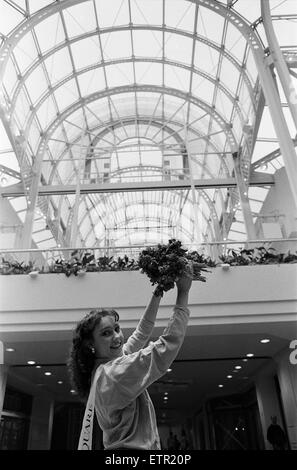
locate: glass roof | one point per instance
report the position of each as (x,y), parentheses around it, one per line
(131,111)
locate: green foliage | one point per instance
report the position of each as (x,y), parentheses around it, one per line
(162,264)
(165,264)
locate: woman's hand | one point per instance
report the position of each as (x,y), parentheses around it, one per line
(184,283)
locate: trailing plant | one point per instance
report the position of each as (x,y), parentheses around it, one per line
(162,263)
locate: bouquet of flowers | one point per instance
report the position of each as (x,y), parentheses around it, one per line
(165,264)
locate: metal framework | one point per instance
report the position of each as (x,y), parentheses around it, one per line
(156,122)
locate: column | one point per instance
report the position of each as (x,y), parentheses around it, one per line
(3,380)
(40,432)
(287,376)
(279,61)
(267,402)
(244,200)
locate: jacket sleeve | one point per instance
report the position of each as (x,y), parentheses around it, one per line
(139,337)
(127,377)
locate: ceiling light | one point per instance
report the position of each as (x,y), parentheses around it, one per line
(10,350)
(31,363)
(250,355)
(237,367)
(229,376)
(265,340)
(220,386)
(38,367)
(47,373)
(165,393)
(60,382)
(72,391)
(244,360)
(169,370)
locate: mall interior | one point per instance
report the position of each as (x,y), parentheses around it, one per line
(124,125)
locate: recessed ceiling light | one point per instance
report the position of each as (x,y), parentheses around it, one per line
(169,370)
(60,382)
(165,393)
(250,355)
(237,367)
(244,360)
(220,386)
(72,391)
(265,340)
(10,350)
(47,373)
(31,363)
(38,367)
(229,376)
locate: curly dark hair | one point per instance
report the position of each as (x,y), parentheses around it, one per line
(81,359)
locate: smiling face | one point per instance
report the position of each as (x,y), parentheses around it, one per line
(108,338)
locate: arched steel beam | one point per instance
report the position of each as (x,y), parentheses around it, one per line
(62,82)
(135,220)
(132,27)
(148,203)
(225,126)
(209,203)
(146,120)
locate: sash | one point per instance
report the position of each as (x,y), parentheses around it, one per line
(86,434)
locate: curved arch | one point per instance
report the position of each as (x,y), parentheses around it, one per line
(226,128)
(181,229)
(154,123)
(150,203)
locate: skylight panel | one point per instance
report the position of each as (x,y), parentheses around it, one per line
(22,108)
(203,88)
(235,42)
(112,13)
(91,82)
(149,13)
(79,19)
(9,18)
(206,58)
(180,15)
(86,52)
(147,44)
(229,75)
(25,52)
(34,136)
(35,6)
(210,25)
(58,65)
(36,84)
(10,78)
(178,48)
(224,105)
(46,113)
(116,45)
(50,32)
(66,94)
(251,68)
(176,77)
(148,73)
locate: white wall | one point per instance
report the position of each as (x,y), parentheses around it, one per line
(279,201)
(242,295)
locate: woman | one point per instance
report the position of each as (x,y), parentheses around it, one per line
(121,373)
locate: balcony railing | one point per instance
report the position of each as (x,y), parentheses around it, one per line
(43,258)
